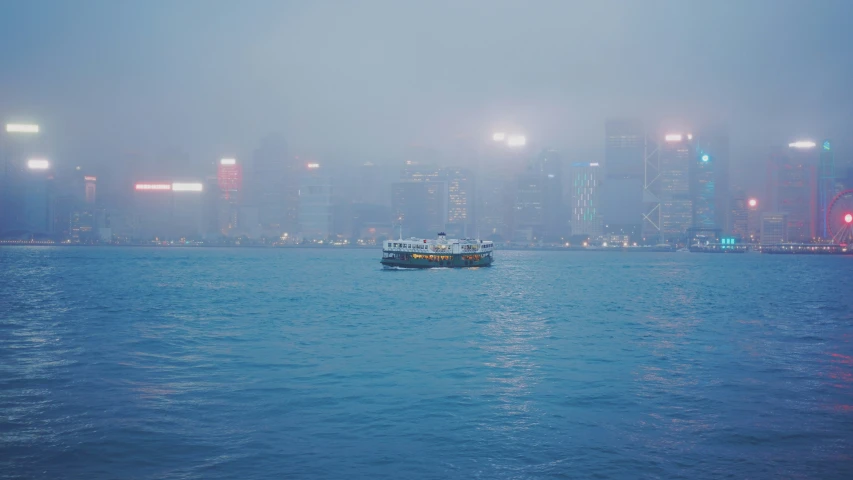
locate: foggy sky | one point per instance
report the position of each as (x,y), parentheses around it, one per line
(111,79)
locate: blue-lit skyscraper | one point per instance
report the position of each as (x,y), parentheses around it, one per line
(702,190)
(826,186)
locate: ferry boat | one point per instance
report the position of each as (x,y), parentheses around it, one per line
(440,252)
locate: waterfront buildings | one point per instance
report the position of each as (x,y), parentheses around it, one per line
(774,228)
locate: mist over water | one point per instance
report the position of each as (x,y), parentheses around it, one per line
(222,363)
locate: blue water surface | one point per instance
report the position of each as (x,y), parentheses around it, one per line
(316,363)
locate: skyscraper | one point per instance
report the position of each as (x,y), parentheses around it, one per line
(461,202)
(622,186)
(315,204)
(229,179)
(792,188)
(740,216)
(555,219)
(676,204)
(715,143)
(419,208)
(826,186)
(275,186)
(529,198)
(585,179)
(703,195)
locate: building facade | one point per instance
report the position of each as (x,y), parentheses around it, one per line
(585,184)
(623,183)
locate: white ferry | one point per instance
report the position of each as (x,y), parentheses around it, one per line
(441,252)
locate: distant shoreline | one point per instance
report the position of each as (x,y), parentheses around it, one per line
(327,247)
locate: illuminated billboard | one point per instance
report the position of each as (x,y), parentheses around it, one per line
(499,137)
(90,178)
(516,141)
(38,164)
(313,165)
(187,187)
(152,187)
(21,128)
(673,137)
(228,161)
(802,144)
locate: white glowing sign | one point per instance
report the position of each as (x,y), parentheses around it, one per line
(228,161)
(594,164)
(90,179)
(153,186)
(187,187)
(802,144)
(22,128)
(313,165)
(516,141)
(38,164)
(673,137)
(499,137)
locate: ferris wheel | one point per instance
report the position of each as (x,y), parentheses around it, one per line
(839,218)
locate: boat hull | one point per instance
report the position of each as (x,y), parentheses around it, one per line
(456,261)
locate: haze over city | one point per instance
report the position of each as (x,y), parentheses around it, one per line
(188,82)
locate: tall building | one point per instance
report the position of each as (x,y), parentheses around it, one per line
(585,180)
(555,218)
(774,228)
(740,216)
(676,153)
(91,190)
(495,205)
(703,194)
(715,144)
(792,188)
(229,183)
(622,186)
(826,186)
(275,186)
(315,204)
(215,211)
(460,202)
(371,188)
(529,219)
(419,208)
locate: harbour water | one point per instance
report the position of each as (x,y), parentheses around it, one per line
(310,363)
